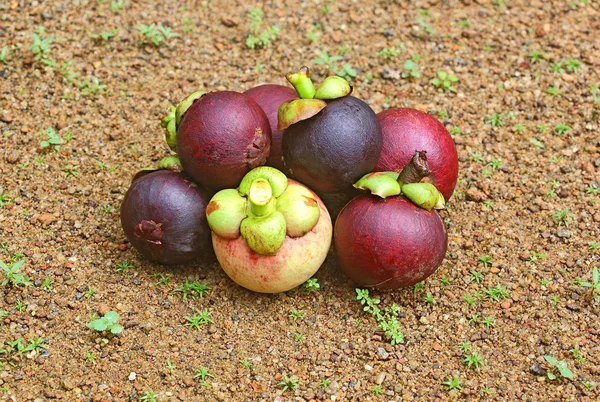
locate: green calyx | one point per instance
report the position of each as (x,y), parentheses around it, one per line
(169,123)
(382,184)
(185,104)
(302,83)
(333,87)
(174,114)
(424,195)
(385,184)
(296,110)
(311,101)
(263,210)
(167,163)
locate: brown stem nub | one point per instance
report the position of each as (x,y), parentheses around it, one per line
(415,170)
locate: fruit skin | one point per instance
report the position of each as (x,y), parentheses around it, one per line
(388,243)
(293,264)
(405,130)
(221,137)
(331,150)
(163,215)
(269,97)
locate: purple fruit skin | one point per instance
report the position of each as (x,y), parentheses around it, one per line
(333,149)
(388,244)
(270,97)
(406,130)
(221,137)
(163,215)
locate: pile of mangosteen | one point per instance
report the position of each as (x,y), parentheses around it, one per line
(258,176)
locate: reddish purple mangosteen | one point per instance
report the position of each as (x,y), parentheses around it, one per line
(269,97)
(331,139)
(405,130)
(393,237)
(221,137)
(163,215)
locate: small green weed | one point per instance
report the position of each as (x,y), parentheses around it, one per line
(12,276)
(52,141)
(389,53)
(444,81)
(288,383)
(107,323)
(155,34)
(258,37)
(594,285)
(453,383)
(387,319)
(201,317)
(410,70)
(562,367)
(193,289)
(312,285)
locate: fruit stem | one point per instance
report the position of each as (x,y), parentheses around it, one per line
(415,170)
(259,197)
(302,83)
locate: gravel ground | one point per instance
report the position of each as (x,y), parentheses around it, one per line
(525,216)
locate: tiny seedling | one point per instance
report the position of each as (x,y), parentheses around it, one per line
(535,56)
(563,217)
(444,280)
(455,131)
(90,357)
(163,279)
(149,396)
(193,289)
(377,390)
(324,383)
(411,70)
(296,315)
(171,367)
(4,52)
(591,190)
(52,141)
(498,293)
(562,367)
(41,48)
(428,298)
(90,292)
(202,373)
(537,143)
(594,285)
(105,36)
(124,266)
(312,285)
(488,322)
(561,129)
(155,34)
(387,319)
(453,383)
(466,347)
(12,276)
(473,361)
(288,383)
(425,26)
(70,171)
(47,284)
(199,318)
(418,286)
(475,318)
(258,37)
(327,60)
(486,260)
(246,363)
(495,119)
(594,246)
(312,33)
(117,6)
(299,337)
(347,72)
(107,323)
(389,53)
(476,276)
(553,90)
(444,81)
(577,354)
(5,200)
(91,86)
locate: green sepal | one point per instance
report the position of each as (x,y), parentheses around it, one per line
(225,213)
(264,234)
(424,195)
(170,163)
(170,125)
(333,87)
(276,179)
(382,184)
(302,83)
(296,110)
(300,210)
(185,104)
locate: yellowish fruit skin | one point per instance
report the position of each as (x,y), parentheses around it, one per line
(295,262)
